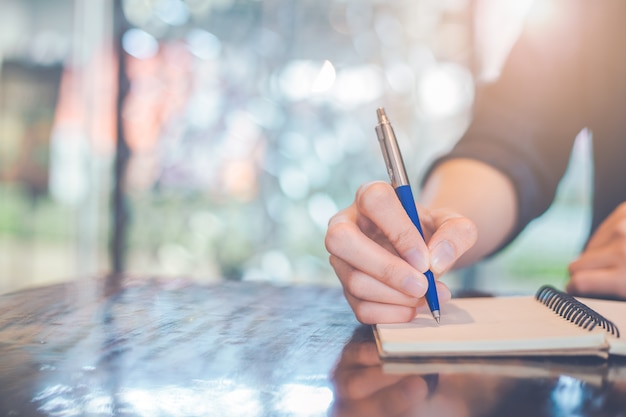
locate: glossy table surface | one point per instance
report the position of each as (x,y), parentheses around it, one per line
(176,348)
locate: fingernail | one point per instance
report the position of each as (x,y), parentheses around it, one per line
(415,286)
(442,257)
(416,260)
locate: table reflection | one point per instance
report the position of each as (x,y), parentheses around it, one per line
(177,348)
(171,349)
(366,386)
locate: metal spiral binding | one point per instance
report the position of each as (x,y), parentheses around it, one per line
(573,310)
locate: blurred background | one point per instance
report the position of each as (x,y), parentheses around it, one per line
(213,139)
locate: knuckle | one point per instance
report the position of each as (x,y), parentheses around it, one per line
(471,228)
(334,263)
(369,194)
(388,270)
(353,286)
(332,220)
(336,235)
(403,238)
(364,314)
(389,273)
(407,315)
(469,231)
(466,226)
(463,229)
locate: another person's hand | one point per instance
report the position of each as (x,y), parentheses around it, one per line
(380,257)
(601,268)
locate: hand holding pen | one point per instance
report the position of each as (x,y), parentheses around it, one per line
(400,183)
(380,257)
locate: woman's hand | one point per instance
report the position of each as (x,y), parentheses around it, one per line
(380,257)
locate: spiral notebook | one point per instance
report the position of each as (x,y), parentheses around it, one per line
(552,323)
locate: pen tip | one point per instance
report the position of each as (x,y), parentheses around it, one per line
(437,316)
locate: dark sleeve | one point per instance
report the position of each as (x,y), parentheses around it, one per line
(525,123)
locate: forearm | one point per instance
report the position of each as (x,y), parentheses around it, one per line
(478,192)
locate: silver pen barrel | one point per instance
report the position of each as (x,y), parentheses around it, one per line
(391,151)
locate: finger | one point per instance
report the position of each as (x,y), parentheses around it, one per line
(346,241)
(599,271)
(365,287)
(610,256)
(598,282)
(362,290)
(373,232)
(453,236)
(591,259)
(378,202)
(368,312)
(613,226)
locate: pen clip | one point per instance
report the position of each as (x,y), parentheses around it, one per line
(382,140)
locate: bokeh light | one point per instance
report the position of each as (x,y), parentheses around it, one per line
(140,44)
(445,90)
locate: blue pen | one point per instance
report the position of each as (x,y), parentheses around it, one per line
(400,182)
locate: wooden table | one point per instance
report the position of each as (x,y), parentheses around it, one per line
(252,349)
